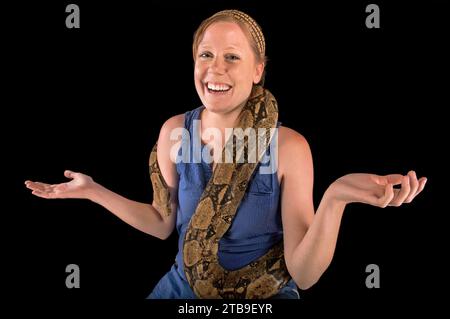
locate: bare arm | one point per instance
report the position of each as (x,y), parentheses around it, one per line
(142,216)
(310,239)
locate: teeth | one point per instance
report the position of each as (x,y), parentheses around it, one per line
(218,87)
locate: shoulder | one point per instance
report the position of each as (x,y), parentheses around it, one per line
(167,137)
(173,122)
(291,141)
(293,149)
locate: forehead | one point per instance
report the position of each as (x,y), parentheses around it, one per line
(225,33)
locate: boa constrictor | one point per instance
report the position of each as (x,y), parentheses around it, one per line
(214,214)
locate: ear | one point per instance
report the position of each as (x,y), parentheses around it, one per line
(258,72)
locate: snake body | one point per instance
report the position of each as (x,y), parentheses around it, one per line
(214,214)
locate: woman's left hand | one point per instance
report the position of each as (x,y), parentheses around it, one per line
(377,190)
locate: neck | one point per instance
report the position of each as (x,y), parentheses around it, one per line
(220,121)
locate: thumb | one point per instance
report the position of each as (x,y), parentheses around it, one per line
(393,179)
(69,174)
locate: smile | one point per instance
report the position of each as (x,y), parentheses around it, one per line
(217,88)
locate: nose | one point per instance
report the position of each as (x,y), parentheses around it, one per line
(218,66)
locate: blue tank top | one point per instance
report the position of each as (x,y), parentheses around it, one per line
(256,226)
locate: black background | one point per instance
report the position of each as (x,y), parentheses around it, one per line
(93,100)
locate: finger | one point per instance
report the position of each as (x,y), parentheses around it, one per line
(387,197)
(35,186)
(394,179)
(422,182)
(36,183)
(29,184)
(46,187)
(42,184)
(414,184)
(69,174)
(402,194)
(42,194)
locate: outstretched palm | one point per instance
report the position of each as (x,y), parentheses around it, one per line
(76,188)
(378,190)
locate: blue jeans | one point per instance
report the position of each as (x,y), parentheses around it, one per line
(173,286)
(290,291)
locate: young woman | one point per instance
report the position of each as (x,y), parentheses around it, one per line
(244,232)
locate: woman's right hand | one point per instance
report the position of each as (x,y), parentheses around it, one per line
(78,187)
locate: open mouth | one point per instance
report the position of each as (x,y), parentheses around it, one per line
(218,88)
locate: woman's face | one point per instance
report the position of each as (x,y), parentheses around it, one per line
(225,67)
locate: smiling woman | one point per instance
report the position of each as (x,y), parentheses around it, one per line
(229,59)
(243,232)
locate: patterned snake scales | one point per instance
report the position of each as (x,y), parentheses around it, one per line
(214,214)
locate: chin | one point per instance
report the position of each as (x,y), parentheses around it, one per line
(221,107)
(217,108)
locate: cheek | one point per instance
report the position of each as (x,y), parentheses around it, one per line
(249,74)
(197,73)
(198,79)
(249,77)
(199,69)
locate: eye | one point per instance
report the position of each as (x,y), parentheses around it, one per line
(205,55)
(232,57)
